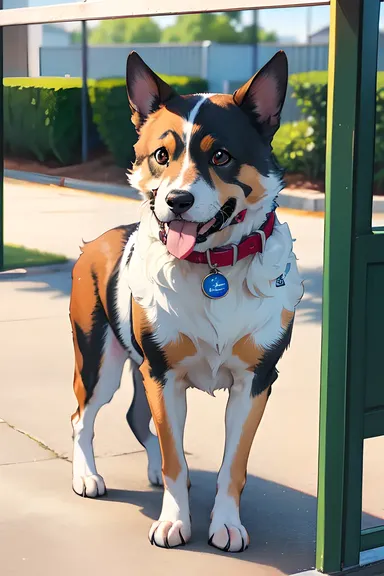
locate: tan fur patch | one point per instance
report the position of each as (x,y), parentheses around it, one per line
(195,128)
(240,460)
(223,100)
(80,392)
(149,141)
(248,352)
(177,351)
(224,189)
(207,143)
(190,175)
(99,258)
(174,169)
(171,463)
(286,318)
(250,176)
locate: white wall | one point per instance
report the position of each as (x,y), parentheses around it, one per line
(110,61)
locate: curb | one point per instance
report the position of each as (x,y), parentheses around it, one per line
(36,270)
(74,183)
(311,201)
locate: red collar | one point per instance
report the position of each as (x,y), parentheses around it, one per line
(229,255)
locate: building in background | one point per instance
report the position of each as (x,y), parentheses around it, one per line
(55,35)
(322,37)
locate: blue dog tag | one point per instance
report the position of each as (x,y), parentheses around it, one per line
(215,285)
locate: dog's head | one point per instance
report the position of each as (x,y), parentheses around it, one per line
(203,159)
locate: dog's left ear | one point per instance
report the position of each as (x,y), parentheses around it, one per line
(146,91)
(263,95)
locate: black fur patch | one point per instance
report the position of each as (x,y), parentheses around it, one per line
(112,283)
(179,144)
(157,360)
(245,188)
(133,339)
(224,124)
(266,373)
(91,344)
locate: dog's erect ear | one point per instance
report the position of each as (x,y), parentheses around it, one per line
(146,91)
(263,95)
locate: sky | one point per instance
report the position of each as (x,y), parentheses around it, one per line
(286,22)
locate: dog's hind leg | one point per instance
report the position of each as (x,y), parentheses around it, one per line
(139,418)
(98,368)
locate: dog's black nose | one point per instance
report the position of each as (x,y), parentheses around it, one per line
(179,201)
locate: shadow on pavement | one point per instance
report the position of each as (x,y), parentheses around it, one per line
(281,521)
(309,309)
(58,282)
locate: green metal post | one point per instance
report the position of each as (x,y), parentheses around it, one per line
(364,157)
(348,316)
(342,101)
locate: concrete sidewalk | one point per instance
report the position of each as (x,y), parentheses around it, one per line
(44,527)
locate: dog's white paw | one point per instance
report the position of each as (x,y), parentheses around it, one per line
(228,537)
(168,534)
(91,486)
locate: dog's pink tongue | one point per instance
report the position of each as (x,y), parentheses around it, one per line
(181,238)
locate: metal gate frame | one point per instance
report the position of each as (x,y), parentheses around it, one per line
(351,402)
(352,397)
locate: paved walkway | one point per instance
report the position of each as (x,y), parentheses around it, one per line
(44,528)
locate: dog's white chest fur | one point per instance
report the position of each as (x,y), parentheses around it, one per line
(170,292)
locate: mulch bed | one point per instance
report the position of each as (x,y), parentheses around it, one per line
(100,168)
(296,181)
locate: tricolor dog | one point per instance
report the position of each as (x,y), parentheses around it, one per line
(201,293)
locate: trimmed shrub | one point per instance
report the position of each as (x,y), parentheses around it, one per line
(294,148)
(42,118)
(112,115)
(310,92)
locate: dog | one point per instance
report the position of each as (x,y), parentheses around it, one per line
(201,293)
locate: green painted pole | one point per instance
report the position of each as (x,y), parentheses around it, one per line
(341,119)
(364,157)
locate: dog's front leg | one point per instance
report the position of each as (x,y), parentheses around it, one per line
(167,401)
(243,416)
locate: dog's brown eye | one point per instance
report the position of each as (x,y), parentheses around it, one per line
(161,156)
(220,158)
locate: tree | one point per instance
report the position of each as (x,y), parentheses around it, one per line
(76,37)
(130,30)
(217,27)
(246,35)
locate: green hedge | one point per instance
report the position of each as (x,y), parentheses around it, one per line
(294,148)
(42,118)
(112,116)
(300,147)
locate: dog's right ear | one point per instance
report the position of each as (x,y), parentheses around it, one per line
(146,91)
(262,97)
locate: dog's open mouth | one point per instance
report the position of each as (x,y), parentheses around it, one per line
(181,236)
